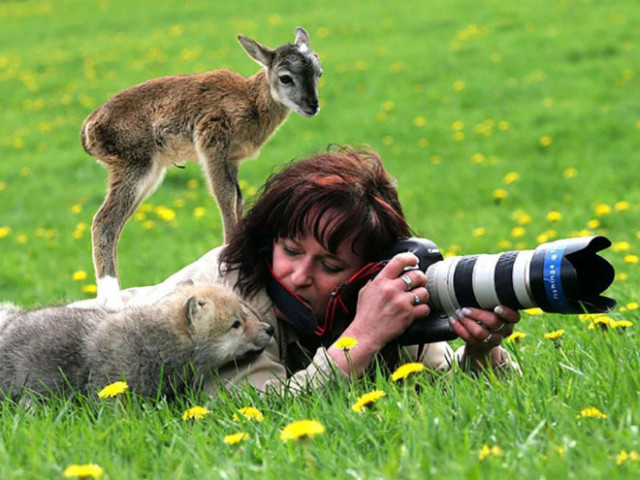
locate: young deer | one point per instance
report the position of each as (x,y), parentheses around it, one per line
(219,117)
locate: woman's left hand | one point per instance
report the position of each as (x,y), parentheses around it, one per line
(484,330)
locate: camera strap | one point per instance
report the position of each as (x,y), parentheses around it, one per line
(340,308)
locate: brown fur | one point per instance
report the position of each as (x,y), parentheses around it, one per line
(219,117)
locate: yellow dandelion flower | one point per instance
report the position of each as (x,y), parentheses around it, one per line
(301,429)
(403,371)
(195,413)
(631,258)
(199,212)
(622,324)
(517,232)
(457,125)
(179,202)
(250,413)
(346,343)
(545,141)
(22,238)
(458,136)
(511,177)
(555,335)
(593,224)
(83,471)
(515,337)
(361,65)
(591,412)
(500,194)
(503,125)
(90,288)
(79,276)
(419,121)
(436,159)
(602,209)
(504,244)
(533,311)
(275,20)
(487,451)
(3,185)
(235,438)
(165,213)
(458,85)
(193,183)
(620,246)
(113,390)
(632,305)
(554,216)
(601,321)
(366,400)
(570,172)
(388,105)
(621,277)
(623,457)
(5,232)
(77,208)
(479,231)
(621,206)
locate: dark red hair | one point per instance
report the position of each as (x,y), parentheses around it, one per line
(352,185)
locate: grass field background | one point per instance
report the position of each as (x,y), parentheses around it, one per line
(505,123)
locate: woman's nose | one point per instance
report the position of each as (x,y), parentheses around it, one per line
(301,276)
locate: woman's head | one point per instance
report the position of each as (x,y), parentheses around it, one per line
(333,196)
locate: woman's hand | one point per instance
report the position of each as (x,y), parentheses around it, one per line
(483,331)
(387,305)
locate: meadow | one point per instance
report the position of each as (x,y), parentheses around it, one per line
(506,125)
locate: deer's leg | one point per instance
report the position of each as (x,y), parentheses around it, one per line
(127,188)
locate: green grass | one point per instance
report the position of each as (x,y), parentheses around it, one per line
(455,95)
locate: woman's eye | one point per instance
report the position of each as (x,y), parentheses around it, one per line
(331,269)
(289,251)
(286,79)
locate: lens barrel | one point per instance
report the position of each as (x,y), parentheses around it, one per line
(565,276)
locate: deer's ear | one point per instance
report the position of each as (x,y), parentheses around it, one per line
(302,39)
(261,54)
(193,307)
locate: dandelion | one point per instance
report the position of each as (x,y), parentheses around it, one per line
(361,65)
(623,457)
(250,413)
(193,183)
(5,232)
(479,232)
(419,121)
(165,213)
(195,413)
(387,140)
(83,471)
(3,185)
(79,276)
(301,429)
(554,216)
(199,212)
(593,224)
(503,125)
(517,232)
(570,172)
(235,438)
(403,371)
(366,400)
(511,177)
(591,412)
(534,311)
(515,337)
(621,206)
(623,324)
(113,390)
(632,305)
(601,321)
(620,246)
(458,85)
(346,343)
(630,259)
(500,194)
(487,451)
(90,288)
(388,105)
(457,125)
(545,141)
(77,208)
(602,209)
(555,335)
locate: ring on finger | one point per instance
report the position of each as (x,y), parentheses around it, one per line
(416,299)
(500,328)
(487,339)
(406,279)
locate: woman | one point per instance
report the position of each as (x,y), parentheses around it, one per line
(317,223)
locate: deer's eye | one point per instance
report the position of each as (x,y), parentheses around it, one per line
(286,79)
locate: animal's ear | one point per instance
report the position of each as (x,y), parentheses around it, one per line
(193,307)
(261,54)
(185,283)
(302,39)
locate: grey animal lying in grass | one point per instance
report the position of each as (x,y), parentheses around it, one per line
(156,348)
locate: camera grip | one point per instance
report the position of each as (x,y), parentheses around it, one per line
(433,328)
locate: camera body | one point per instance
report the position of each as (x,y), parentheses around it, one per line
(565,276)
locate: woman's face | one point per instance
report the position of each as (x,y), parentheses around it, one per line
(304,266)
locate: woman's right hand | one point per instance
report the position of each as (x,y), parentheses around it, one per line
(390,302)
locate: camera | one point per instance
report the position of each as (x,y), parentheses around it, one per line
(564,276)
